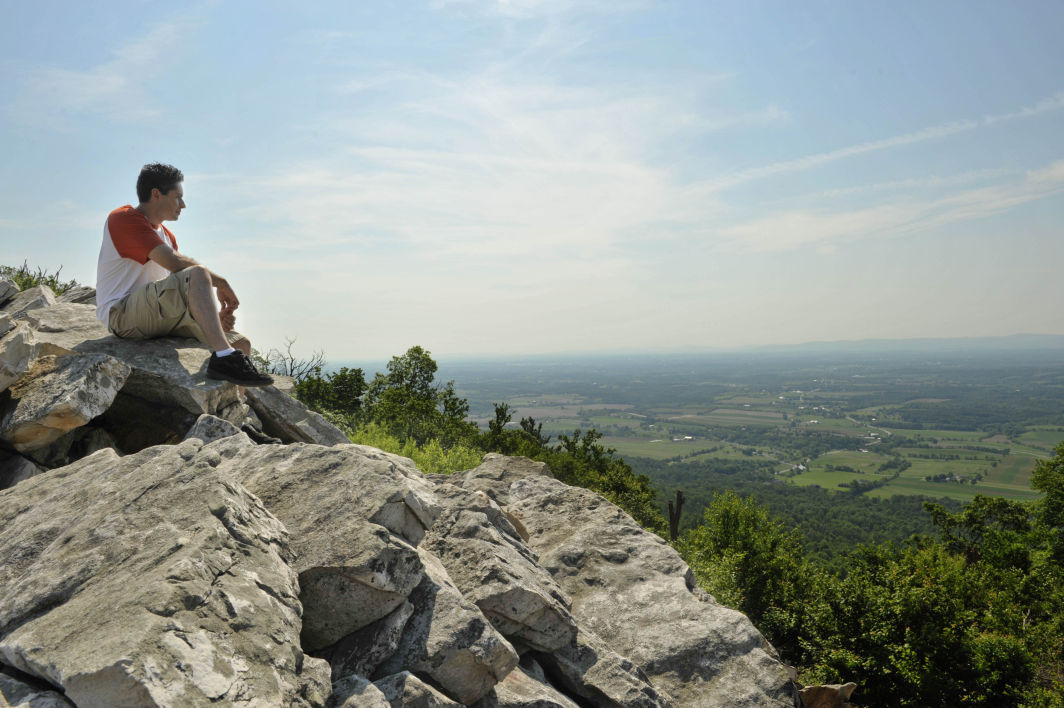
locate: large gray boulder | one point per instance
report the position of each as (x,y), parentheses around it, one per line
(209,428)
(151,580)
(169,372)
(492,566)
(406,689)
(362,652)
(590,669)
(14,468)
(286,418)
(16,693)
(82,294)
(8,290)
(18,349)
(58,394)
(496,473)
(525,687)
(29,299)
(357,692)
(633,590)
(354,524)
(449,640)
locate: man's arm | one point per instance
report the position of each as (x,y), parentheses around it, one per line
(173,261)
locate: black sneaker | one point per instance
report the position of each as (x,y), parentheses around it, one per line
(236,368)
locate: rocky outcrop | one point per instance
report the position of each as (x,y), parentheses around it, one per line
(59,394)
(611,567)
(283,417)
(31,299)
(147,580)
(152,554)
(160,386)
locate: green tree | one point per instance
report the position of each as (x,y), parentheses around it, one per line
(339,392)
(411,406)
(751,562)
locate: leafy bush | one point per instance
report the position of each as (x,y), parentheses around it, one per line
(25,278)
(430,457)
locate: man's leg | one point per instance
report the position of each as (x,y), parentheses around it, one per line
(204,310)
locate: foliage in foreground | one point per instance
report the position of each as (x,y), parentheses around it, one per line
(26,278)
(973,617)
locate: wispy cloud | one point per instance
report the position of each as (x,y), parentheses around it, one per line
(1051,103)
(819,228)
(115,89)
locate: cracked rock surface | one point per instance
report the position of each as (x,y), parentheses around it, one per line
(151,580)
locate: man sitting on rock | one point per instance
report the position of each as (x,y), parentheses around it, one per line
(146,288)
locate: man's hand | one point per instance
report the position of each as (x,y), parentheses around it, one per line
(226,296)
(227,318)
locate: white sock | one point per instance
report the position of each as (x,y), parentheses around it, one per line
(225,352)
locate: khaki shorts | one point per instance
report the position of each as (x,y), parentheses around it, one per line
(158,309)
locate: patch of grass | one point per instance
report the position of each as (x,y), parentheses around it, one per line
(25,278)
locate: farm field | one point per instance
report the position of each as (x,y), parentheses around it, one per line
(936,427)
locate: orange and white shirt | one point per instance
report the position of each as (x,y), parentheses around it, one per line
(128,238)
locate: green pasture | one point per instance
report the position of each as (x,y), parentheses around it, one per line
(962,492)
(1012,471)
(829,479)
(546,399)
(968,436)
(834,425)
(1043,437)
(643,447)
(731,416)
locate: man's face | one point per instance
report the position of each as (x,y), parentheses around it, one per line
(172,202)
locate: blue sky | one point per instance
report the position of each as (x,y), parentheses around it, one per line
(496,177)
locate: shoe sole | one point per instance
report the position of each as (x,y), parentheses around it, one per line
(239,382)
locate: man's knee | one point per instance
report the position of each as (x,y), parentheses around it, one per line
(197,275)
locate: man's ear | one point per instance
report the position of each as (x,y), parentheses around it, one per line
(155,193)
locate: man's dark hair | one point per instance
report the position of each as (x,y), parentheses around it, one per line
(157,176)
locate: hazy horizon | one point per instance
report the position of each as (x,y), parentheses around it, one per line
(510,177)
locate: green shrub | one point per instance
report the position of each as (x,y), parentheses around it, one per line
(25,278)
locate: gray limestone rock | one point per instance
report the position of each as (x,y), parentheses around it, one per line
(450,640)
(81,294)
(209,428)
(357,692)
(362,652)
(590,669)
(405,690)
(632,589)
(16,693)
(169,372)
(18,348)
(14,468)
(497,472)
(8,290)
(151,580)
(58,394)
(492,566)
(286,418)
(78,443)
(525,687)
(29,299)
(397,463)
(354,523)
(6,323)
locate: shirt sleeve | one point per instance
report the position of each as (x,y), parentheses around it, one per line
(132,235)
